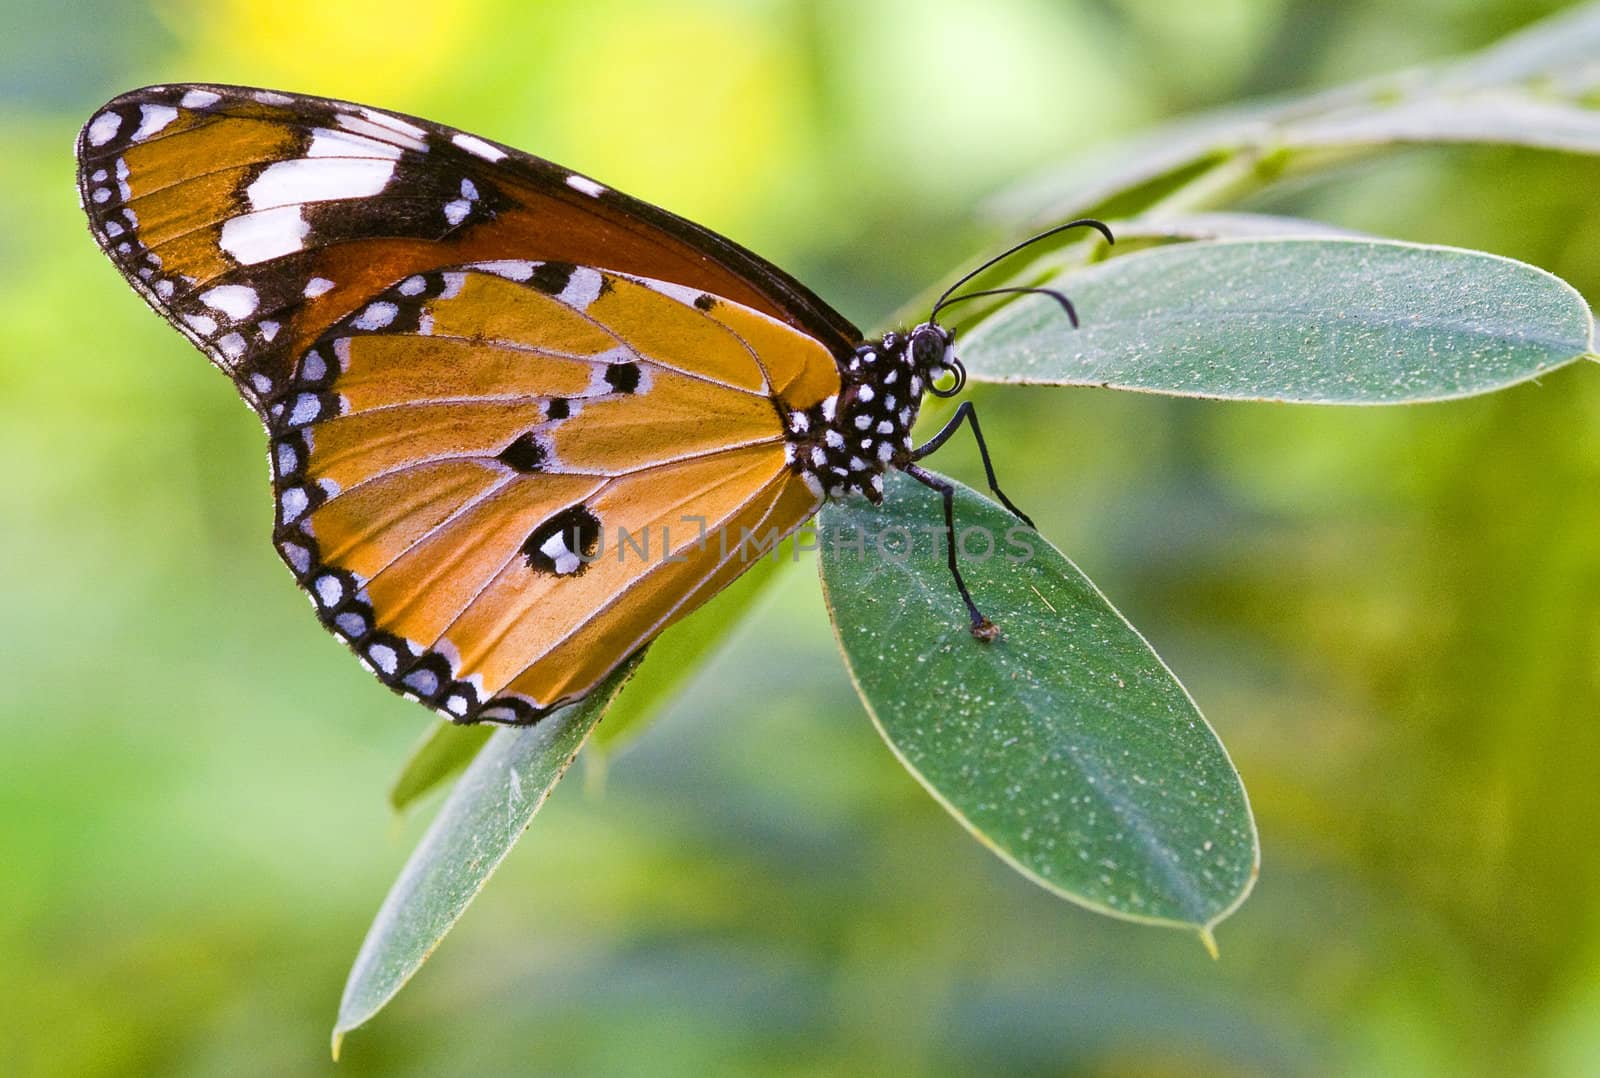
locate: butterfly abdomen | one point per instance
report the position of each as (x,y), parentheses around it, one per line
(843,445)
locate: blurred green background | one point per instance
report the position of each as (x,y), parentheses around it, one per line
(1390,616)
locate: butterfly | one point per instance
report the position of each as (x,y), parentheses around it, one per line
(476,367)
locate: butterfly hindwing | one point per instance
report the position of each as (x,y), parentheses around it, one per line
(497,480)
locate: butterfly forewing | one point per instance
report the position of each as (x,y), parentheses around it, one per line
(252,219)
(519,422)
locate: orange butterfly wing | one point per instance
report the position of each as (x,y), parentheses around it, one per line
(520,423)
(499,480)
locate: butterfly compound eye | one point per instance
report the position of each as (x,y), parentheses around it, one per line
(931,354)
(928,345)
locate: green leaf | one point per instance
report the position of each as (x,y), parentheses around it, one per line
(484,816)
(444,750)
(1510,118)
(1125,177)
(1066,746)
(1323,321)
(1560,46)
(1222,226)
(1532,89)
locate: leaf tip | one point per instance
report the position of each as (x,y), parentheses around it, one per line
(335,1043)
(1209,942)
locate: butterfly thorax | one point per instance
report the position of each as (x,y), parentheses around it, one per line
(843,445)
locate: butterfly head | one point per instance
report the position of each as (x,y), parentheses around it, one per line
(931,349)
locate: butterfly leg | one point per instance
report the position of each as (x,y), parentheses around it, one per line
(982,627)
(967,414)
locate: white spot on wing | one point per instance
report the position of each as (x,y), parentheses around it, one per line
(510,268)
(326,142)
(231,346)
(320,179)
(479,148)
(269,97)
(313,368)
(583,288)
(384,657)
(555,548)
(152,118)
(298,556)
(306,408)
(330,590)
(294,502)
(412,286)
(257,237)
(202,324)
(269,330)
(237,301)
(390,131)
(105,125)
(455,212)
(393,123)
(376,316)
(586,185)
(423,680)
(682,293)
(199,99)
(316,287)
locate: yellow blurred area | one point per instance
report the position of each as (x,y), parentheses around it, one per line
(378,49)
(713,143)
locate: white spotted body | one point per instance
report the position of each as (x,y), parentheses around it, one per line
(843,445)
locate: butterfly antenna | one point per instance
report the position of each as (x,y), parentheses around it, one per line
(1082,222)
(1066,304)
